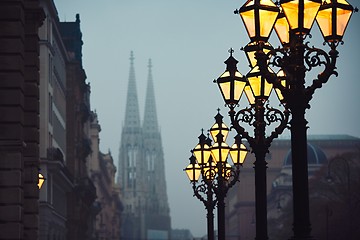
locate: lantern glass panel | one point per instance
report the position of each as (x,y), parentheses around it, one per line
(220,151)
(260,87)
(215,130)
(292,13)
(193,172)
(282,29)
(225,88)
(267,20)
(291,10)
(248,18)
(238,153)
(238,89)
(310,10)
(324,20)
(202,154)
(249,94)
(343,17)
(225,74)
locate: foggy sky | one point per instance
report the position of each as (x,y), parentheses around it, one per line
(188,41)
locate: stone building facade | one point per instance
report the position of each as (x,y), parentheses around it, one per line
(102,172)
(53,157)
(19,119)
(45,126)
(146,213)
(240,206)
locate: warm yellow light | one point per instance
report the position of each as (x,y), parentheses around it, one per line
(249,94)
(300,14)
(193,172)
(210,170)
(260,87)
(202,153)
(238,153)
(216,129)
(282,29)
(253,47)
(333,18)
(282,77)
(231,83)
(41,180)
(220,151)
(226,171)
(259,18)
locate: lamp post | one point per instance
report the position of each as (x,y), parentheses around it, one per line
(257,90)
(211,175)
(294,20)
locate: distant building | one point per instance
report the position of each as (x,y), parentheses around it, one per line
(81,198)
(181,234)
(67,196)
(141,175)
(53,126)
(102,172)
(240,206)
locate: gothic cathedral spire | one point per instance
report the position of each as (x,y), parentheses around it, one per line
(150,124)
(132,116)
(141,176)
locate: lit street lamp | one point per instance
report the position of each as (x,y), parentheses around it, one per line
(258,116)
(41,180)
(212,175)
(292,22)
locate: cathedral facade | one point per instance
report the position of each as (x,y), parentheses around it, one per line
(146,213)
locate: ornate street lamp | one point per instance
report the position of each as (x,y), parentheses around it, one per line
(258,115)
(333,18)
(259,17)
(212,175)
(202,189)
(231,79)
(295,59)
(41,180)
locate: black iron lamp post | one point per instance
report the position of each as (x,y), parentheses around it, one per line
(295,58)
(258,116)
(211,174)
